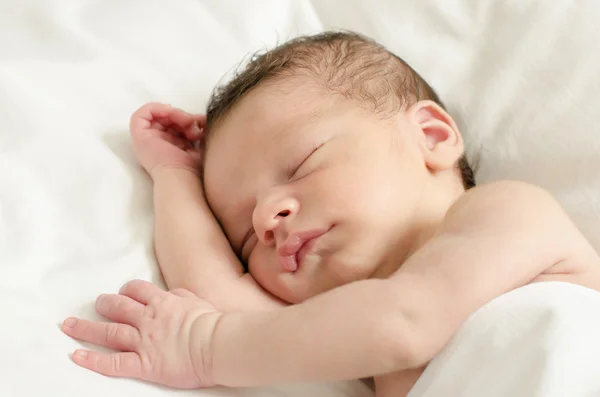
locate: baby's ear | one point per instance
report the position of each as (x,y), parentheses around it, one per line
(442,143)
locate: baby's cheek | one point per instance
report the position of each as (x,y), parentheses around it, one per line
(262,268)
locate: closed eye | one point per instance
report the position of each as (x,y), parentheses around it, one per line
(293,171)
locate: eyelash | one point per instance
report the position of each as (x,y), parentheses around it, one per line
(314,149)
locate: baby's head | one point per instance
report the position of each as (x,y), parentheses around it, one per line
(329,160)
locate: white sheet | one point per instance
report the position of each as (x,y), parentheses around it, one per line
(521,77)
(538,341)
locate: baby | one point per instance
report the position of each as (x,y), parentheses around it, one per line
(335,173)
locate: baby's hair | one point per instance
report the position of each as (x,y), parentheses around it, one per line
(342,63)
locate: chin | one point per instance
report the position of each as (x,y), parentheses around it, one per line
(293,295)
(294,290)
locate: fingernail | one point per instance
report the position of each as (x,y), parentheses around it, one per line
(80,354)
(70,322)
(197,130)
(100,301)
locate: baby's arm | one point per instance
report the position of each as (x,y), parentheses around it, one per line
(192,250)
(495,239)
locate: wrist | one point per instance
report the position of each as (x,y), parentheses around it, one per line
(178,190)
(202,336)
(171,171)
(226,354)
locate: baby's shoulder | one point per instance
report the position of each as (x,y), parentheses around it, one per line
(506,201)
(517,209)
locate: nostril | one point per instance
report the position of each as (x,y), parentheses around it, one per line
(284,213)
(269,236)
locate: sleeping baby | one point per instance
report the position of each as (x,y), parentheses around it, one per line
(320,223)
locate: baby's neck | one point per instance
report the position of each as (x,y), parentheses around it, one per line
(428,221)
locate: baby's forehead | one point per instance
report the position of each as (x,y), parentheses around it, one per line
(280,116)
(270,110)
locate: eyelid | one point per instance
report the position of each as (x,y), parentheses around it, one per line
(316,147)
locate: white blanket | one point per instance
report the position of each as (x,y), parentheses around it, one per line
(538,341)
(521,77)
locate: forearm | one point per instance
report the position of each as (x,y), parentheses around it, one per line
(355,331)
(192,250)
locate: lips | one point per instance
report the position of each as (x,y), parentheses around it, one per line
(296,247)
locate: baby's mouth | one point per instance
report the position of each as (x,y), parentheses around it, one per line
(290,263)
(297,246)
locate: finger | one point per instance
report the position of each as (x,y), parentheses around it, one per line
(142,291)
(200,120)
(181,118)
(120,308)
(123,365)
(188,134)
(142,118)
(155,125)
(114,335)
(195,155)
(184,293)
(183,122)
(175,132)
(160,116)
(181,143)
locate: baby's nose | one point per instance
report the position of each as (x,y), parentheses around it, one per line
(269,236)
(272,217)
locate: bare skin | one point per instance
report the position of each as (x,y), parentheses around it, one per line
(580,266)
(412,265)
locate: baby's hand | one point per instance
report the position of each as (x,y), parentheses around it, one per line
(162,337)
(164,136)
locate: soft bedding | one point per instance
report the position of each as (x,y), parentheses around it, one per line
(521,77)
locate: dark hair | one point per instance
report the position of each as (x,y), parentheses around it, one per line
(344,63)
